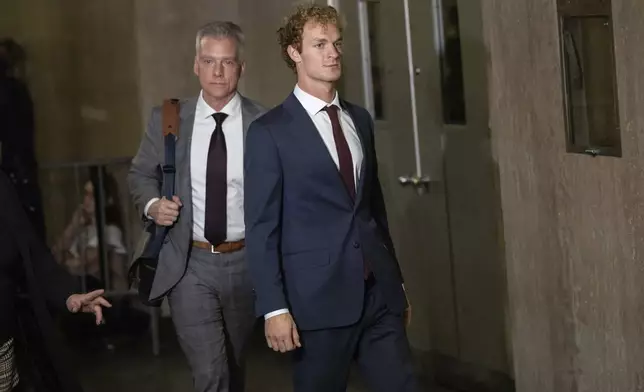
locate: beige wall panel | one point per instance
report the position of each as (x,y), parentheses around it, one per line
(103,43)
(573,227)
(475,212)
(40,26)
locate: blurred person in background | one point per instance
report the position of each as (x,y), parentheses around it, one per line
(31,285)
(17,151)
(77,248)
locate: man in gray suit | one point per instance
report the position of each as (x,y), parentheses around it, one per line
(202,267)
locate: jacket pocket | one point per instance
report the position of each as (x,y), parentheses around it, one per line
(306,259)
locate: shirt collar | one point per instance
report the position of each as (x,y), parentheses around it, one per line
(312,104)
(204,110)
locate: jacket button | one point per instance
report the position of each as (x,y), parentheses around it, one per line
(356,244)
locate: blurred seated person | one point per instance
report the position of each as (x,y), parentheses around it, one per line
(31,285)
(78,246)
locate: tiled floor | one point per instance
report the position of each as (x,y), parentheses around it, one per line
(132,367)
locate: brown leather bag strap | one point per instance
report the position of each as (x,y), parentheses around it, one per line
(171,117)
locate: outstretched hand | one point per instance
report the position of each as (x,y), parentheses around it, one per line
(88,303)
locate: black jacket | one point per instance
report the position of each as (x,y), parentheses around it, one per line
(45,287)
(17,152)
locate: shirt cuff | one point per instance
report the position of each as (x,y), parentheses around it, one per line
(275,313)
(147,207)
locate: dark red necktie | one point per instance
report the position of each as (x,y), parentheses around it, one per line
(344,153)
(216,184)
(346,164)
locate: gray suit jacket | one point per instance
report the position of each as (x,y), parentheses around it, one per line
(145,178)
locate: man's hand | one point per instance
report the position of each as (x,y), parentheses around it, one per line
(281,333)
(165,212)
(88,303)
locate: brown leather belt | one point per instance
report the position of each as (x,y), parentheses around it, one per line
(226,247)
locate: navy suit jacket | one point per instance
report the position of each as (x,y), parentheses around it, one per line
(305,238)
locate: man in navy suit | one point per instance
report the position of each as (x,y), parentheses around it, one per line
(318,245)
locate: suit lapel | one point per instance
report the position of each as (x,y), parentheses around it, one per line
(364,141)
(184,142)
(363,135)
(305,128)
(187,115)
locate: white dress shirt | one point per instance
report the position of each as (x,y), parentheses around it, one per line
(203,128)
(314,107)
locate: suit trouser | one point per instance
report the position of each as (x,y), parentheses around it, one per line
(212,309)
(377,342)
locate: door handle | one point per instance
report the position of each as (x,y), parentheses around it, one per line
(420,183)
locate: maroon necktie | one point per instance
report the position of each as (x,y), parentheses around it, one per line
(344,154)
(346,163)
(216,184)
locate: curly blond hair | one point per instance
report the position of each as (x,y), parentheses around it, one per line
(290,33)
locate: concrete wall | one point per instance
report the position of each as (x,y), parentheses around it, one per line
(105,83)
(39,26)
(573,224)
(81,72)
(474,207)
